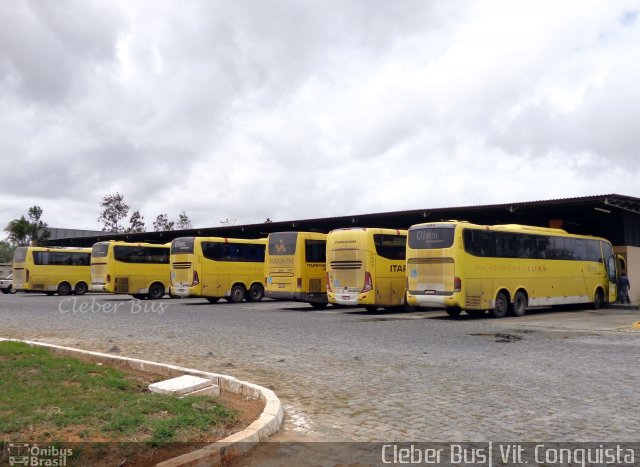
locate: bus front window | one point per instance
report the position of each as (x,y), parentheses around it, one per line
(430,238)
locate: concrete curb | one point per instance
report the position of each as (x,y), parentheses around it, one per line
(214,454)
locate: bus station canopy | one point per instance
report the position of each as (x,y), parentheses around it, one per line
(615,217)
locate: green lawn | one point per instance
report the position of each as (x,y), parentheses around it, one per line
(44,397)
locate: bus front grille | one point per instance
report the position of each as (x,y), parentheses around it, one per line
(315,285)
(346,264)
(186,265)
(122,285)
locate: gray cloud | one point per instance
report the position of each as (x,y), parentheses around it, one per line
(287,109)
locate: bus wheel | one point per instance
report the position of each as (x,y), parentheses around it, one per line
(156,291)
(501,307)
(519,304)
(64,289)
(256,293)
(237,294)
(80,288)
(598,300)
(370,308)
(318,305)
(475,313)
(213,299)
(454,312)
(6,290)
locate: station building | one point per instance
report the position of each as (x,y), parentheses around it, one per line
(614,217)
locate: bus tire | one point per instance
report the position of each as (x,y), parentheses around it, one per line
(256,293)
(454,312)
(156,291)
(237,293)
(598,299)
(213,299)
(81,288)
(64,288)
(519,303)
(501,306)
(6,290)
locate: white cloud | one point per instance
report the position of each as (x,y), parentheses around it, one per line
(289,110)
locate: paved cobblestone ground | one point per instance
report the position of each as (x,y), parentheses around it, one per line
(349,375)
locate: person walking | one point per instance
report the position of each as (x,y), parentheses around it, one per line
(623,288)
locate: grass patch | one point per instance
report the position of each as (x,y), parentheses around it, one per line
(44,397)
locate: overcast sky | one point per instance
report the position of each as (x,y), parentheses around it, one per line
(293,109)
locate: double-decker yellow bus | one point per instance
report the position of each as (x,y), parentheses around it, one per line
(295,267)
(506,268)
(366,267)
(216,267)
(137,269)
(52,270)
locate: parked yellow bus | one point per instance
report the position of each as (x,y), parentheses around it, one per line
(506,268)
(366,267)
(52,270)
(296,267)
(216,267)
(138,269)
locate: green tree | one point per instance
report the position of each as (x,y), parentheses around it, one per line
(136,223)
(39,230)
(114,209)
(31,231)
(162,222)
(183,222)
(6,251)
(19,231)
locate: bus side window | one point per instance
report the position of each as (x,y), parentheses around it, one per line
(526,246)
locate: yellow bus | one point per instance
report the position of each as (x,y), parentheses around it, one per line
(296,267)
(366,267)
(506,268)
(137,269)
(216,267)
(52,270)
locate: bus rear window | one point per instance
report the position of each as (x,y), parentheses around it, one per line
(431,238)
(20,255)
(182,245)
(100,250)
(283,243)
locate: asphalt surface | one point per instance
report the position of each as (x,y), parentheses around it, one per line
(349,375)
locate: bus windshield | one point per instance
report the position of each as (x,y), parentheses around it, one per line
(100,250)
(430,238)
(20,254)
(283,243)
(182,245)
